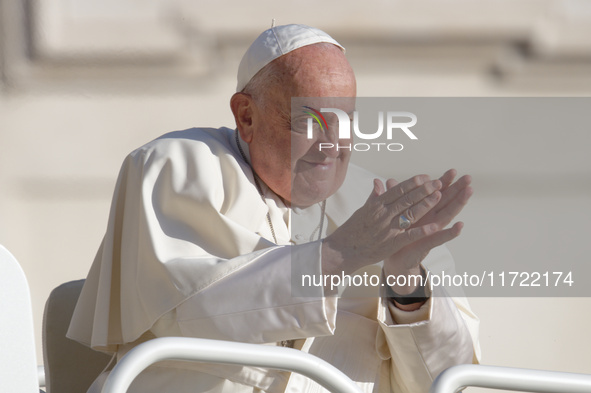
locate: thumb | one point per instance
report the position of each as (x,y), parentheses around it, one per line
(378,188)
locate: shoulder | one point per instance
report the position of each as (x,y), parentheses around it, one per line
(187,143)
(197,162)
(194,148)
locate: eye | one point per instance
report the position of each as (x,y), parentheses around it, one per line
(299,125)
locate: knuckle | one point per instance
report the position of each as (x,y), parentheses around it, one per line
(400,191)
(405,201)
(414,234)
(425,230)
(433,198)
(431,187)
(417,180)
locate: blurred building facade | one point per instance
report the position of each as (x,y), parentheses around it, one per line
(82,83)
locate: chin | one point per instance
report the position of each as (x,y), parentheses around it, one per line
(308,195)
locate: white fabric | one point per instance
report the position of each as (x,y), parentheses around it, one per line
(275,42)
(187,252)
(18,363)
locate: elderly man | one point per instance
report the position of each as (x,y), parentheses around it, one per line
(200,243)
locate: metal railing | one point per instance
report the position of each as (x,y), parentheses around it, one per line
(452,380)
(456,378)
(214,351)
(41,376)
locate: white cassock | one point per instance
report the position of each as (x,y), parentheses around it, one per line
(189,252)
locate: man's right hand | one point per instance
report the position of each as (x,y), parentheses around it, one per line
(373,232)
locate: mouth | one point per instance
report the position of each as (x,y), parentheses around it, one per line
(320,165)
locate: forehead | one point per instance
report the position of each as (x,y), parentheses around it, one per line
(319,70)
(322,106)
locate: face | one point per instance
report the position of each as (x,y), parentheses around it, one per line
(290,163)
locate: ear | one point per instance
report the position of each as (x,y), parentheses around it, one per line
(243,108)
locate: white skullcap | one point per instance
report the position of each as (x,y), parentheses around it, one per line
(274,43)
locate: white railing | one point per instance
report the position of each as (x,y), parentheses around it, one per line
(214,351)
(456,378)
(41,376)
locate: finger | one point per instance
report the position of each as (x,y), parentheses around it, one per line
(441,237)
(391,183)
(452,191)
(414,235)
(378,187)
(448,207)
(453,208)
(418,210)
(404,188)
(416,197)
(447,178)
(417,251)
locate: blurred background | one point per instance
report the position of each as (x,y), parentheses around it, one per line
(82,83)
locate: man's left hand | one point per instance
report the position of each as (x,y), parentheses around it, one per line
(454,196)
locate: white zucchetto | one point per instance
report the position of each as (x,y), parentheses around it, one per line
(276,42)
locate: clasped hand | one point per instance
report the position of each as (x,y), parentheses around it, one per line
(373,232)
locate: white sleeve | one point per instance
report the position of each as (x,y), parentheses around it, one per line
(420,350)
(423,343)
(255,303)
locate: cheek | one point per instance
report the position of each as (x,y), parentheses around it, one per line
(277,151)
(300,147)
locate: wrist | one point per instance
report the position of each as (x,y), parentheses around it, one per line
(413,294)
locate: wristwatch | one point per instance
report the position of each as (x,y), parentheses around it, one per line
(416,296)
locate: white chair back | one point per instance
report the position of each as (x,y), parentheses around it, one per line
(18,363)
(70,367)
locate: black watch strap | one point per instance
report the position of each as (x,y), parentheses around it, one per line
(416,296)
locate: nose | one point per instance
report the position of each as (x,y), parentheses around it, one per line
(331,134)
(328,141)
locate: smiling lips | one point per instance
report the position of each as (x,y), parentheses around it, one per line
(322,165)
